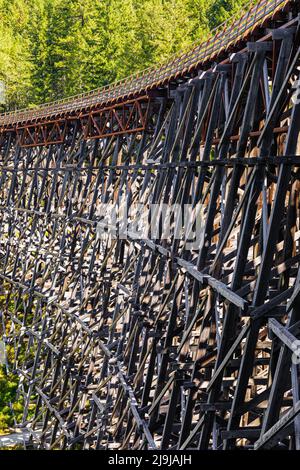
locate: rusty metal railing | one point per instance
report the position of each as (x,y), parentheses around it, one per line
(225,35)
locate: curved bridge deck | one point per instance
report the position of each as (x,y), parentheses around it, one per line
(225,39)
(149,253)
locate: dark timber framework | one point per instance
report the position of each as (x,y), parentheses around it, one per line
(151,344)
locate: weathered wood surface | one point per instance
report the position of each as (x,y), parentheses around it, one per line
(149,342)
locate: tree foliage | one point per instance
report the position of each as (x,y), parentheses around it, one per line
(12,403)
(50,49)
(10,408)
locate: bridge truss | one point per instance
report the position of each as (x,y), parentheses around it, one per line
(154,342)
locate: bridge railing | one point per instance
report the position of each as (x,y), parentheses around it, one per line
(223,36)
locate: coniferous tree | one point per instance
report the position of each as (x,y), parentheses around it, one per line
(221,10)
(15,64)
(50,49)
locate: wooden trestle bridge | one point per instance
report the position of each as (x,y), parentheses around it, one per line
(153,342)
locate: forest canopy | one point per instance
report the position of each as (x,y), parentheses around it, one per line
(50,49)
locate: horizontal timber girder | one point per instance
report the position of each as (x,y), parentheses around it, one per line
(125,337)
(41,134)
(124,118)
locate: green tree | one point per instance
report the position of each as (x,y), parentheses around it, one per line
(124,48)
(50,49)
(221,10)
(15,64)
(169,26)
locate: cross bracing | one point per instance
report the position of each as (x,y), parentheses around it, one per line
(153,342)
